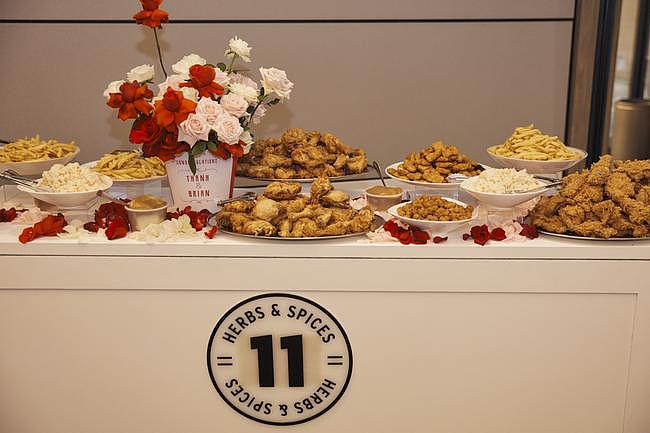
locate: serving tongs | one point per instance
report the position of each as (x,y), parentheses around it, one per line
(16,178)
(250,195)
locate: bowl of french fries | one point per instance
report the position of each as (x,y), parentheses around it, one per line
(124,166)
(32,156)
(531,150)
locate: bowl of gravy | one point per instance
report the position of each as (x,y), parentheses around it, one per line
(380,197)
(144,210)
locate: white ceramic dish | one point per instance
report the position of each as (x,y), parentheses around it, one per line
(67,199)
(431,185)
(538,167)
(503,201)
(91,164)
(35,168)
(140,219)
(434,227)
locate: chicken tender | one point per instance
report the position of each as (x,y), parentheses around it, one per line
(336,198)
(282,190)
(240,206)
(319,188)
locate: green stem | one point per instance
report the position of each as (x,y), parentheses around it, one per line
(155,34)
(232,63)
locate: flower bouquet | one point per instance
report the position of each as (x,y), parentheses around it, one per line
(200,121)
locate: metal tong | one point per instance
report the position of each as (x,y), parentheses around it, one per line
(16,178)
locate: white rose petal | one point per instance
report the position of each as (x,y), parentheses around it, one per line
(239,47)
(276,81)
(141,73)
(172,81)
(182,67)
(247,138)
(243,79)
(193,129)
(228,129)
(113,87)
(221,77)
(190,93)
(211,110)
(247,92)
(234,104)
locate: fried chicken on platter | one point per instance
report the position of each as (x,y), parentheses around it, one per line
(299,154)
(283,211)
(611,199)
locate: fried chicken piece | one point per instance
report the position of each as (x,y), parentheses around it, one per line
(233,221)
(433,176)
(319,188)
(643,194)
(312,138)
(637,170)
(322,216)
(308,156)
(551,223)
(259,228)
(638,212)
(274,161)
(572,216)
(305,227)
(308,211)
(362,221)
(336,229)
(599,171)
(593,228)
(606,211)
(572,183)
(619,187)
(334,144)
(295,205)
(284,228)
(548,205)
(589,194)
(340,161)
(240,206)
(340,214)
(294,136)
(285,173)
(282,190)
(330,171)
(260,171)
(266,209)
(336,198)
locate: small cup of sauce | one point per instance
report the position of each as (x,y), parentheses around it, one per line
(381,197)
(144,210)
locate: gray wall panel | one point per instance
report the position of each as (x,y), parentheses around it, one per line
(392,88)
(291,9)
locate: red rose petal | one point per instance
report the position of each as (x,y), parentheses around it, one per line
(498,234)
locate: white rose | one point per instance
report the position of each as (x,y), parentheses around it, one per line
(243,79)
(190,93)
(221,77)
(182,67)
(210,109)
(247,92)
(140,73)
(234,104)
(192,129)
(275,80)
(228,129)
(172,81)
(259,113)
(113,87)
(239,47)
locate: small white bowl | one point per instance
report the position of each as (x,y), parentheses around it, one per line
(433,227)
(538,167)
(67,199)
(140,219)
(503,201)
(33,168)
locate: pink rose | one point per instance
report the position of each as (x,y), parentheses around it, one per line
(242,79)
(234,104)
(221,77)
(209,109)
(228,129)
(193,129)
(172,81)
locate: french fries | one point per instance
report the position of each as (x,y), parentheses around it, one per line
(35,149)
(528,142)
(129,166)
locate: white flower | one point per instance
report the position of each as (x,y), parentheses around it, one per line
(259,113)
(113,87)
(247,138)
(247,92)
(210,109)
(275,80)
(228,129)
(182,67)
(221,77)
(172,81)
(239,47)
(234,104)
(194,128)
(243,79)
(140,73)
(190,93)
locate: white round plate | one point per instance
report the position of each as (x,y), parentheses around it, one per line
(67,199)
(503,201)
(587,238)
(36,168)
(445,185)
(538,167)
(434,227)
(91,164)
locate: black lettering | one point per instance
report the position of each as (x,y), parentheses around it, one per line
(299,408)
(283,409)
(260,312)
(309,318)
(328,384)
(257,407)
(267,408)
(308,404)
(245,398)
(237,391)
(316,398)
(328,337)
(323,391)
(229,337)
(292,311)
(234,329)
(301,313)
(241,322)
(250,316)
(231,383)
(313,324)
(322,330)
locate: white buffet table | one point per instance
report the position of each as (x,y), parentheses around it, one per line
(543,336)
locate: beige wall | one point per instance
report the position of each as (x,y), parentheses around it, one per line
(391,87)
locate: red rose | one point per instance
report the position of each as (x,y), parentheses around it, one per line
(202,79)
(480,234)
(145,130)
(151,15)
(498,234)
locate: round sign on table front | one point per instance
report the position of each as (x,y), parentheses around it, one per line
(279,359)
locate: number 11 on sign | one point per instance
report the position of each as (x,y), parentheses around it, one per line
(264,346)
